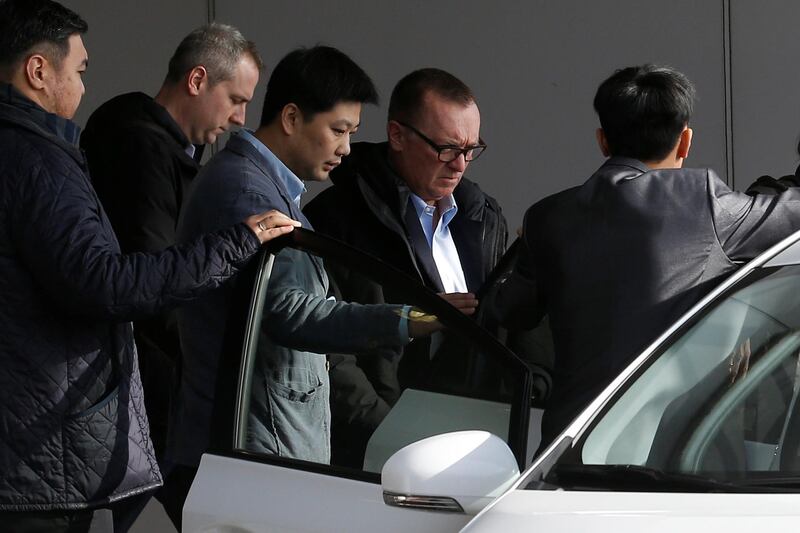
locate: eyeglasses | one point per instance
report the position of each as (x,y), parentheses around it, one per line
(449,152)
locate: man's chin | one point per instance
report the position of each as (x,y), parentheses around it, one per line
(446,191)
(321,175)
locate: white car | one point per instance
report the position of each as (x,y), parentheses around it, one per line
(700,433)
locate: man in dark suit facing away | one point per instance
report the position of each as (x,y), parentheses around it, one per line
(617,260)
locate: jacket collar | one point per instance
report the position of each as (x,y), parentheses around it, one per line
(162,117)
(19,110)
(627,162)
(245,148)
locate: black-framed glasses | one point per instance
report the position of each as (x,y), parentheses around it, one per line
(449,152)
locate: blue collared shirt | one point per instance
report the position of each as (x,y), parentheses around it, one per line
(443,249)
(293,185)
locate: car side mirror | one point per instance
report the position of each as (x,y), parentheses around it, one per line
(454,472)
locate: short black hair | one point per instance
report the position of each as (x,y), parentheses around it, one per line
(316,79)
(26,24)
(643,110)
(409,94)
(217,47)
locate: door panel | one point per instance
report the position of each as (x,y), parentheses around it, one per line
(521,511)
(232,495)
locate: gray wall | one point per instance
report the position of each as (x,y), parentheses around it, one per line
(130,43)
(534,66)
(765,80)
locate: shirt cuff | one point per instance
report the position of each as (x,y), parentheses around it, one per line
(402,326)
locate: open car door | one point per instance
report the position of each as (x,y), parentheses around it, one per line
(468,381)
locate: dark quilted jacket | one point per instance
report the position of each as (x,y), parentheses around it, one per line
(73,431)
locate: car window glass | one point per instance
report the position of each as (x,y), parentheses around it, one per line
(329,375)
(721,400)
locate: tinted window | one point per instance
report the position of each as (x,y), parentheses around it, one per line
(720,401)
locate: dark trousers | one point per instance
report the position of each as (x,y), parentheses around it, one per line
(117,517)
(173,494)
(158,359)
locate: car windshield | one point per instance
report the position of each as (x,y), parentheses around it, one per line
(716,409)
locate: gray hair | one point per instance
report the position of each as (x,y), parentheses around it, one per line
(217,47)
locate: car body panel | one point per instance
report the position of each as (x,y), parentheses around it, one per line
(632,512)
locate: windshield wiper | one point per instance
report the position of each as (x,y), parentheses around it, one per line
(634,478)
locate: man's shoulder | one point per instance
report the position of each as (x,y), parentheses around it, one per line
(234,169)
(552,201)
(36,167)
(622,168)
(226,166)
(137,118)
(469,191)
(693,173)
(333,199)
(121,111)
(367,160)
(29,150)
(239,155)
(227,189)
(366,163)
(128,101)
(16,139)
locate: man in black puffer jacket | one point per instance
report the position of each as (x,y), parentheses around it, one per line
(406,202)
(73,430)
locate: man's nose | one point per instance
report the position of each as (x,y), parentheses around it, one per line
(238,115)
(344,147)
(459,163)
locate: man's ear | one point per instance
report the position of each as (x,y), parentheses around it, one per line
(36,71)
(602,142)
(290,117)
(395,133)
(195,80)
(684,143)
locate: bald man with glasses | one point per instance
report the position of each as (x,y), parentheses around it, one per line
(406,201)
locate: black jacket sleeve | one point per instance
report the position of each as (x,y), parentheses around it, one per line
(517,301)
(770,185)
(746,225)
(64,237)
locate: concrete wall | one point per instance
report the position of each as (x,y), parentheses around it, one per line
(765,81)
